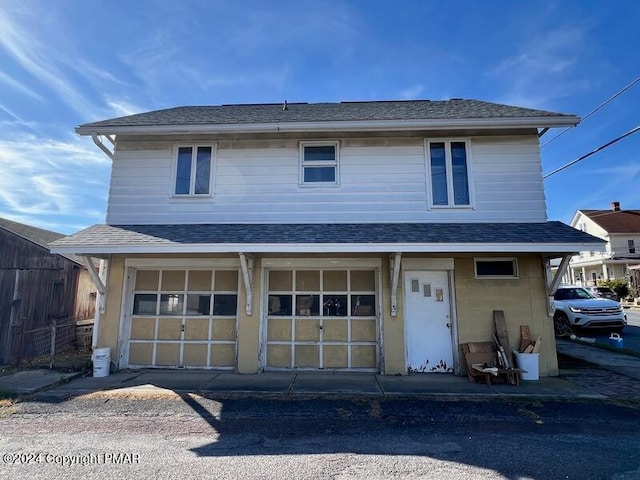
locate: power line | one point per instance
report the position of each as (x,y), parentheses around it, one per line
(602,147)
(595,110)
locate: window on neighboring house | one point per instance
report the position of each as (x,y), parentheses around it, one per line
(193,170)
(449,173)
(496,267)
(319,163)
(632,246)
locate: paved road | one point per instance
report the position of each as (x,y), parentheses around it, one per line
(630,335)
(633,317)
(370,438)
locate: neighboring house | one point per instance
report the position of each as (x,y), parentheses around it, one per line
(37,286)
(354,236)
(620,229)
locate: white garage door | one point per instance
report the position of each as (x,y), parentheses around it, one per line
(184,318)
(322,319)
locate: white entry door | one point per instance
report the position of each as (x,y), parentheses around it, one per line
(427,308)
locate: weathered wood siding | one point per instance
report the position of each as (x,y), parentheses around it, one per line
(381,180)
(46,288)
(85,303)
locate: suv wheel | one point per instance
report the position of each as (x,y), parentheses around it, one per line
(561,324)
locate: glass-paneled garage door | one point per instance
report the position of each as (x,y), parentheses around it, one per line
(184,318)
(322,319)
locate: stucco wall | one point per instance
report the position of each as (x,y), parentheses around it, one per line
(110,319)
(523,301)
(249,325)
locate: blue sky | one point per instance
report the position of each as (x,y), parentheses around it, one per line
(65,63)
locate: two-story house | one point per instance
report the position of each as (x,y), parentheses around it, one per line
(620,229)
(353,236)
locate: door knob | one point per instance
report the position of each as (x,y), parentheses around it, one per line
(448,325)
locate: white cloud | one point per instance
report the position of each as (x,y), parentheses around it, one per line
(543,69)
(123,108)
(46,178)
(412,92)
(42,61)
(7,80)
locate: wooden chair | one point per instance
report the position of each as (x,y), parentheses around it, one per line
(484,352)
(477,352)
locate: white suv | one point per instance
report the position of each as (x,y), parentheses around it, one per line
(577,308)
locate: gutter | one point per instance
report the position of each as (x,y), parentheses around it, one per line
(334,126)
(234,248)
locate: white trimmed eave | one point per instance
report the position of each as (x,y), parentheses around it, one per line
(364,125)
(331,248)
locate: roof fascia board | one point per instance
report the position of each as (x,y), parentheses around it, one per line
(365,125)
(335,248)
(576,216)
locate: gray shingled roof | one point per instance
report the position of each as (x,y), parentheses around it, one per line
(323,112)
(36,235)
(548,233)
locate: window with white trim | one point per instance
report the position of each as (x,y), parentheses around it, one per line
(496,267)
(193,169)
(319,163)
(448,167)
(632,246)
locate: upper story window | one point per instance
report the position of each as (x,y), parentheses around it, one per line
(632,246)
(448,167)
(319,163)
(193,170)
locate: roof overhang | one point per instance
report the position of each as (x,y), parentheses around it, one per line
(331,126)
(546,237)
(329,248)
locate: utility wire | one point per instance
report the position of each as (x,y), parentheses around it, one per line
(602,147)
(594,110)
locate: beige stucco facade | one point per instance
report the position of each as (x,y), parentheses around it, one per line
(522,299)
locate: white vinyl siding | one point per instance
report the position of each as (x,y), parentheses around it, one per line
(381,180)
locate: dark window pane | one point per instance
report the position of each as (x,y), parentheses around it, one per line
(183,173)
(171,304)
(225,304)
(203,170)
(307,305)
(324,153)
(438,174)
(495,268)
(144,304)
(334,306)
(280,305)
(198,304)
(363,305)
(459,171)
(319,174)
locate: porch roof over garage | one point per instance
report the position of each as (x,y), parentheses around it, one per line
(547,237)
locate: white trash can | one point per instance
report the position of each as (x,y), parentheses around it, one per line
(529,362)
(101,358)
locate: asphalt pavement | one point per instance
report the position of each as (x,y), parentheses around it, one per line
(598,374)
